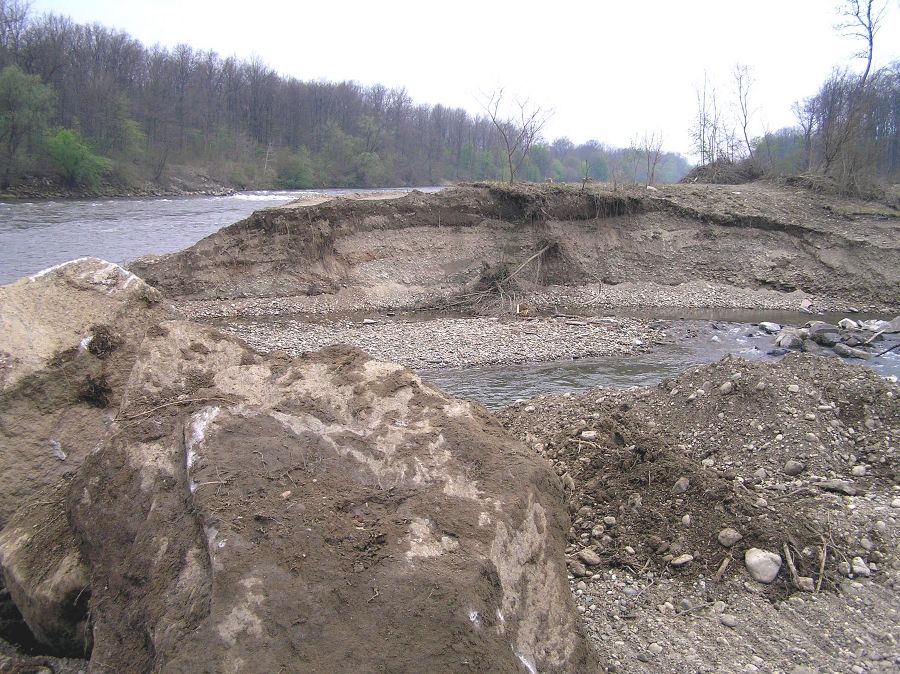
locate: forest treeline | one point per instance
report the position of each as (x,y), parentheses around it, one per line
(86,101)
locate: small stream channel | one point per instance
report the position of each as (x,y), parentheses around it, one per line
(703,337)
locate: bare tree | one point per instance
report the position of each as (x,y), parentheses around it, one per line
(742,82)
(862,20)
(652,148)
(518,132)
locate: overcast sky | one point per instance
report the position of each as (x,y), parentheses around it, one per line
(610,69)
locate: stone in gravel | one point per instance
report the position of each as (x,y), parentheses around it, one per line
(686,520)
(793,468)
(895,503)
(609,521)
(728,537)
(681,485)
(760,474)
(858,471)
(806,584)
(589,557)
(683,605)
(761,386)
(726,388)
(578,570)
(839,486)
(844,568)
(793,388)
(681,561)
(762,564)
(655,648)
(860,568)
(589,435)
(369,321)
(728,619)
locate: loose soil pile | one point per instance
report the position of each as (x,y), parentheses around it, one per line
(670,487)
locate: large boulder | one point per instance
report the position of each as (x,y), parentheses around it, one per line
(331,513)
(42,569)
(67,341)
(824,333)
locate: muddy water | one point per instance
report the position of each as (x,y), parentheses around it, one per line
(693,343)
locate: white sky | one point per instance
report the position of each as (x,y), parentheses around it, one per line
(610,69)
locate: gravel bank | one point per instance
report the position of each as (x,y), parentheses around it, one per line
(457,342)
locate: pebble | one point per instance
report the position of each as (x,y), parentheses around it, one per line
(681,485)
(609,521)
(578,569)
(589,435)
(859,567)
(681,561)
(589,557)
(858,471)
(728,537)
(793,467)
(726,388)
(762,564)
(728,619)
(793,388)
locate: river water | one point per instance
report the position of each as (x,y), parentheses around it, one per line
(40,234)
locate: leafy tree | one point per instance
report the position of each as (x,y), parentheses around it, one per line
(294,171)
(78,164)
(25,106)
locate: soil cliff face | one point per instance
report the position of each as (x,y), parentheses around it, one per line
(435,246)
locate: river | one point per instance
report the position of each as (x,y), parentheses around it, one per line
(36,235)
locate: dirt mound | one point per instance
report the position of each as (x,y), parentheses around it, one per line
(331,513)
(657,475)
(724,172)
(67,341)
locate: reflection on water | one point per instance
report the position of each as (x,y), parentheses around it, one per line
(497,386)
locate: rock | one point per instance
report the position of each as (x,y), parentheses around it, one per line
(824,333)
(860,568)
(839,486)
(589,435)
(681,561)
(849,352)
(793,388)
(769,327)
(728,619)
(762,564)
(892,327)
(578,569)
(806,305)
(369,321)
(589,557)
(609,521)
(396,486)
(806,584)
(848,324)
(681,485)
(793,468)
(47,580)
(69,332)
(858,471)
(728,537)
(726,388)
(844,568)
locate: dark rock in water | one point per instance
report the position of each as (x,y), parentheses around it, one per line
(331,513)
(777,352)
(824,333)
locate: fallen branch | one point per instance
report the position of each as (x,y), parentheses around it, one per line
(523,265)
(789,558)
